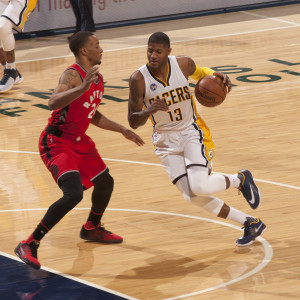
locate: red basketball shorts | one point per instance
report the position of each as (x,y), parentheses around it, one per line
(62,155)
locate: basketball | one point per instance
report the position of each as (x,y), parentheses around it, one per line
(210,91)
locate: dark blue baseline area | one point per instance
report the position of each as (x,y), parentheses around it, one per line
(19,281)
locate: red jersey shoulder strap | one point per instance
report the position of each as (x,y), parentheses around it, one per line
(82,72)
(78,68)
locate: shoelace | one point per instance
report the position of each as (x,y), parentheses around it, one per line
(246,228)
(101,227)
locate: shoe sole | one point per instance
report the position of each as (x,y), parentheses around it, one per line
(258,196)
(19,81)
(1,92)
(104,242)
(25,260)
(250,243)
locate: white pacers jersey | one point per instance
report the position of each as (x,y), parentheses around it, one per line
(177,94)
(181,137)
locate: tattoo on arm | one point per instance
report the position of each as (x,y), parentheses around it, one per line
(68,77)
(134,90)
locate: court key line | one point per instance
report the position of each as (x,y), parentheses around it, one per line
(267,258)
(159,165)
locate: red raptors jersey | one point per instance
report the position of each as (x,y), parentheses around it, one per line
(74,119)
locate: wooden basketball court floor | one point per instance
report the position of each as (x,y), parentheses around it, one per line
(171,249)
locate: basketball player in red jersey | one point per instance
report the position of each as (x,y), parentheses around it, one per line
(69,154)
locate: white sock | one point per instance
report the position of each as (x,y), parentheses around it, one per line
(10,65)
(237,216)
(234,180)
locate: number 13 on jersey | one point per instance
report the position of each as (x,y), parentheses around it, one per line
(176,115)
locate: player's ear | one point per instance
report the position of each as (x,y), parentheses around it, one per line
(169,51)
(83,51)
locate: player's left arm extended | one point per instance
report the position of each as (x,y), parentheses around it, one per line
(103,122)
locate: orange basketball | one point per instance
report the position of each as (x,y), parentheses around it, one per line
(210,91)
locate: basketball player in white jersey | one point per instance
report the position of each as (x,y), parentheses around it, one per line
(13,15)
(160,91)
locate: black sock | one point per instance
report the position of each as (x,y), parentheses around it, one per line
(39,232)
(94,217)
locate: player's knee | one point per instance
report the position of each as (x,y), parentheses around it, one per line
(5,27)
(109,182)
(71,197)
(75,195)
(183,186)
(6,35)
(198,181)
(199,188)
(71,185)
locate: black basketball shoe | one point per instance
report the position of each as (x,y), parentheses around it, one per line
(249,189)
(253,227)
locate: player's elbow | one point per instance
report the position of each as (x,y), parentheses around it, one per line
(51,104)
(132,124)
(132,121)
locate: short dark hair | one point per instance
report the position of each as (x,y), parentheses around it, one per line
(159,38)
(79,40)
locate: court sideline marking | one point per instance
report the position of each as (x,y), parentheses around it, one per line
(159,165)
(267,258)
